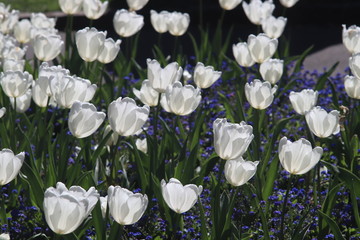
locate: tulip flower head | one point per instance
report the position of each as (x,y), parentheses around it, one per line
(178,23)
(182,100)
(351,38)
(261,47)
(47,46)
(22,31)
(238,171)
(231,140)
(2,112)
(40,20)
(147,95)
(298,157)
(125,117)
(10,165)
(321,123)
(354,64)
(94,9)
(109,51)
(303,101)
(84,120)
(178,197)
(70,7)
(272,70)
(204,77)
(4,236)
(38,94)
(229,4)
(65,209)
(288,3)
(13,65)
(136,5)
(141,144)
(125,206)
(89,42)
(161,78)
(127,23)
(352,86)
(15,83)
(103,205)
(23,102)
(242,54)
(257,10)
(51,76)
(259,94)
(273,27)
(159,20)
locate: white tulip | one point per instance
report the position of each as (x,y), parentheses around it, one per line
(159,20)
(204,77)
(288,3)
(136,5)
(113,138)
(259,94)
(38,94)
(273,27)
(22,31)
(127,23)
(298,157)
(141,144)
(70,6)
(2,112)
(352,86)
(242,54)
(178,23)
(94,9)
(40,20)
(89,42)
(229,4)
(23,102)
(10,165)
(103,205)
(4,236)
(147,95)
(13,65)
(303,101)
(7,24)
(15,83)
(51,76)
(178,197)
(272,70)
(47,46)
(351,38)
(238,171)
(261,47)
(321,123)
(257,10)
(109,51)
(354,64)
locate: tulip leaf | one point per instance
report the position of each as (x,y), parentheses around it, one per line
(229,109)
(320,84)
(99,223)
(329,203)
(333,226)
(271,175)
(35,184)
(301,58)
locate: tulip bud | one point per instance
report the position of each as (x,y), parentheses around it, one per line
(136,5)
(161,78)
(354,64)
(352,86)
(65,209)
(103,205)
(231,140)
(257,10)
(15,83)
(125,117)
(109,51)
(159,20)
(351,38)
(84,120)
(182,100)
(272,70)
(9,165)
(273,27)
(238,171)
(242,54)
(178,197)
(229,4)
(13,65)
(89,42)
(147,94)
(40,20)
(127,23)
(94,9)
(178,23)
(204,77)
(38,94)
(288,3)
(298,157)
(70,6)
(125,206)
(22,103)
(259,94)
(47,46)
(51,76)
(321,123)
(2,112)
(261,47)
(303,101)
(141,145)
(22,31)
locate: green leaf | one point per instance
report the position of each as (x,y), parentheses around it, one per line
(333,226)
(301,58)
(320,84)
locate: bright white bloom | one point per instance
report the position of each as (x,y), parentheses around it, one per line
(182,100)
(231,140)
(8,22)
(141,144)
(94,9)
(84,120)
(257,10)
(51,76)
(125,117)
(298,157)
(354,64)
(89,42)
(161,78)
(159,20)
(238,171)
(351,38)
(288,3)
(272,70)
(4,236)
(259,94)
(103,205)
(261,47)
(47,46)
(13,65)
(2,112)
(15,83)
(135,5)
(40,20)
(38,94)
(229,4)
(109,51)
(178,23)
(22,31)
(147,95)
(125,206)
(23,102)
(303,101)
(273,27)
(321,123)
(65,209)
(242,54)
(178,197)
(13,52)
(10,165)
(204,77)
(70,6)
(127,23)
(352,86)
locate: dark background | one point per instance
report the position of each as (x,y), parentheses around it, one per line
(310,22)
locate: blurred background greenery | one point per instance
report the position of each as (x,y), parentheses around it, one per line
(33,5)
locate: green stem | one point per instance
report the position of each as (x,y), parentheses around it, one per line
(282,237)
(176,43)
(68,29)
(3,218)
